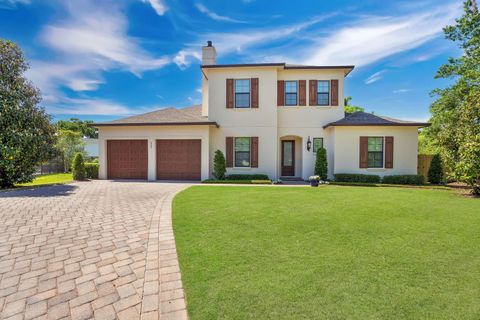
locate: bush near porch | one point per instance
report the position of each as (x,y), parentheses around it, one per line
(328,253)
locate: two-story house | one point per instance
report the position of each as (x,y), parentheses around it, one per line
(266,118)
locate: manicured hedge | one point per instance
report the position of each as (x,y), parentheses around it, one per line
(91,169)
(213,181)
(351,177)
(247,177)
(404,179)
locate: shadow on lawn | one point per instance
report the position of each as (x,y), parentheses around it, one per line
(59,190)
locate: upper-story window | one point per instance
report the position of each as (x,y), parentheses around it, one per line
(375,152)
(323,92)
(291,93)
(242,93)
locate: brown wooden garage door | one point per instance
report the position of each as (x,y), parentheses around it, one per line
(127,159)
(178,159)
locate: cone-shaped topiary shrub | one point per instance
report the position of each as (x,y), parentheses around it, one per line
(219,165)
(78,167)
(435,173)
(321,166)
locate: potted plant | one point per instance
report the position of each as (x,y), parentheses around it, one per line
(314,180)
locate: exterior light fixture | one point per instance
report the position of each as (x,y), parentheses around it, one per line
(309,144)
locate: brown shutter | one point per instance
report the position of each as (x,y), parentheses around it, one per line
(229,152)
(363,152)
(254,84)
(254,152)
(312,85)
(389,152)
(302,92)
(280,93)
(229,93)
(334,93)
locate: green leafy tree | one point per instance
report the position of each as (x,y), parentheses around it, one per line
(78,167)
(349,108)
(435,172)
(69,143)
(321,165)
(456,112)
(78,125)
(219,165)
(426,145)
(26,133)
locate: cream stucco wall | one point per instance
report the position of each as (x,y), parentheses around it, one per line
(347,149)
(269,122)
(153,133)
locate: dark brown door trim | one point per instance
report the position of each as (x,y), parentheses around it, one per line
(288,170)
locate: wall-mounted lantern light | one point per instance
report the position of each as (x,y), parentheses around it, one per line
(309,144)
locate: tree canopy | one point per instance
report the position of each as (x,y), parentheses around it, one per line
(27,136)
(456,112)
(350,108)
(77,125)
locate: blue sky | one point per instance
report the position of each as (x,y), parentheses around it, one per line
(105,59)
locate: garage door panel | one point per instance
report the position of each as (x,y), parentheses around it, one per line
(127,159)
(178,159)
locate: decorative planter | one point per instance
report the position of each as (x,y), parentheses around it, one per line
(314,183)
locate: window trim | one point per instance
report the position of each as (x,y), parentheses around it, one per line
(235,153)
(313,143)
(249,93)
(328,93)
(285,93)
(382,152)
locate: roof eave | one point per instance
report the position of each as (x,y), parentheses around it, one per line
(210,123)
(416,124)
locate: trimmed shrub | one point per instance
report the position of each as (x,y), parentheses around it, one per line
(247,177)
(321,165)
(404,179)
(78,167)
(435,173)
(219,165)
(353,177)
(91,170)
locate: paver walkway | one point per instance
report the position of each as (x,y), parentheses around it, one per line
(98,249)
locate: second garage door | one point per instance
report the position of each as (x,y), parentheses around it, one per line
(127,159)
(179,159)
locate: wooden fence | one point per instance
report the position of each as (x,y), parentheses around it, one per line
(423,164)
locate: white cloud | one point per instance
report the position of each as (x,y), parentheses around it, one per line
(203,9)
(11,4)
(89,40)
(401,90)
(94,106)
(99,34)
(226,43)
(158,5)
(375,77)
(373,38)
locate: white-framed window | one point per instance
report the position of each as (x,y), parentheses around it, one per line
(375,152)
(242,93)
(242,151)
(291,93)
(323,92)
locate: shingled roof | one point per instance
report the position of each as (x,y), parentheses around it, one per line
(360,118)
(170,116)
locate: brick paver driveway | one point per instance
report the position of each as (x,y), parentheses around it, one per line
(98,249)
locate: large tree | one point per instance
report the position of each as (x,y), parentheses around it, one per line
(77,125)
(456,112)
(350,108)
(26,133)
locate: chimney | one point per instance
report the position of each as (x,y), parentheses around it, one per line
(209,54)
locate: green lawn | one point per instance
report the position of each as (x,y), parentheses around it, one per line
(49,179)
(328,253)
